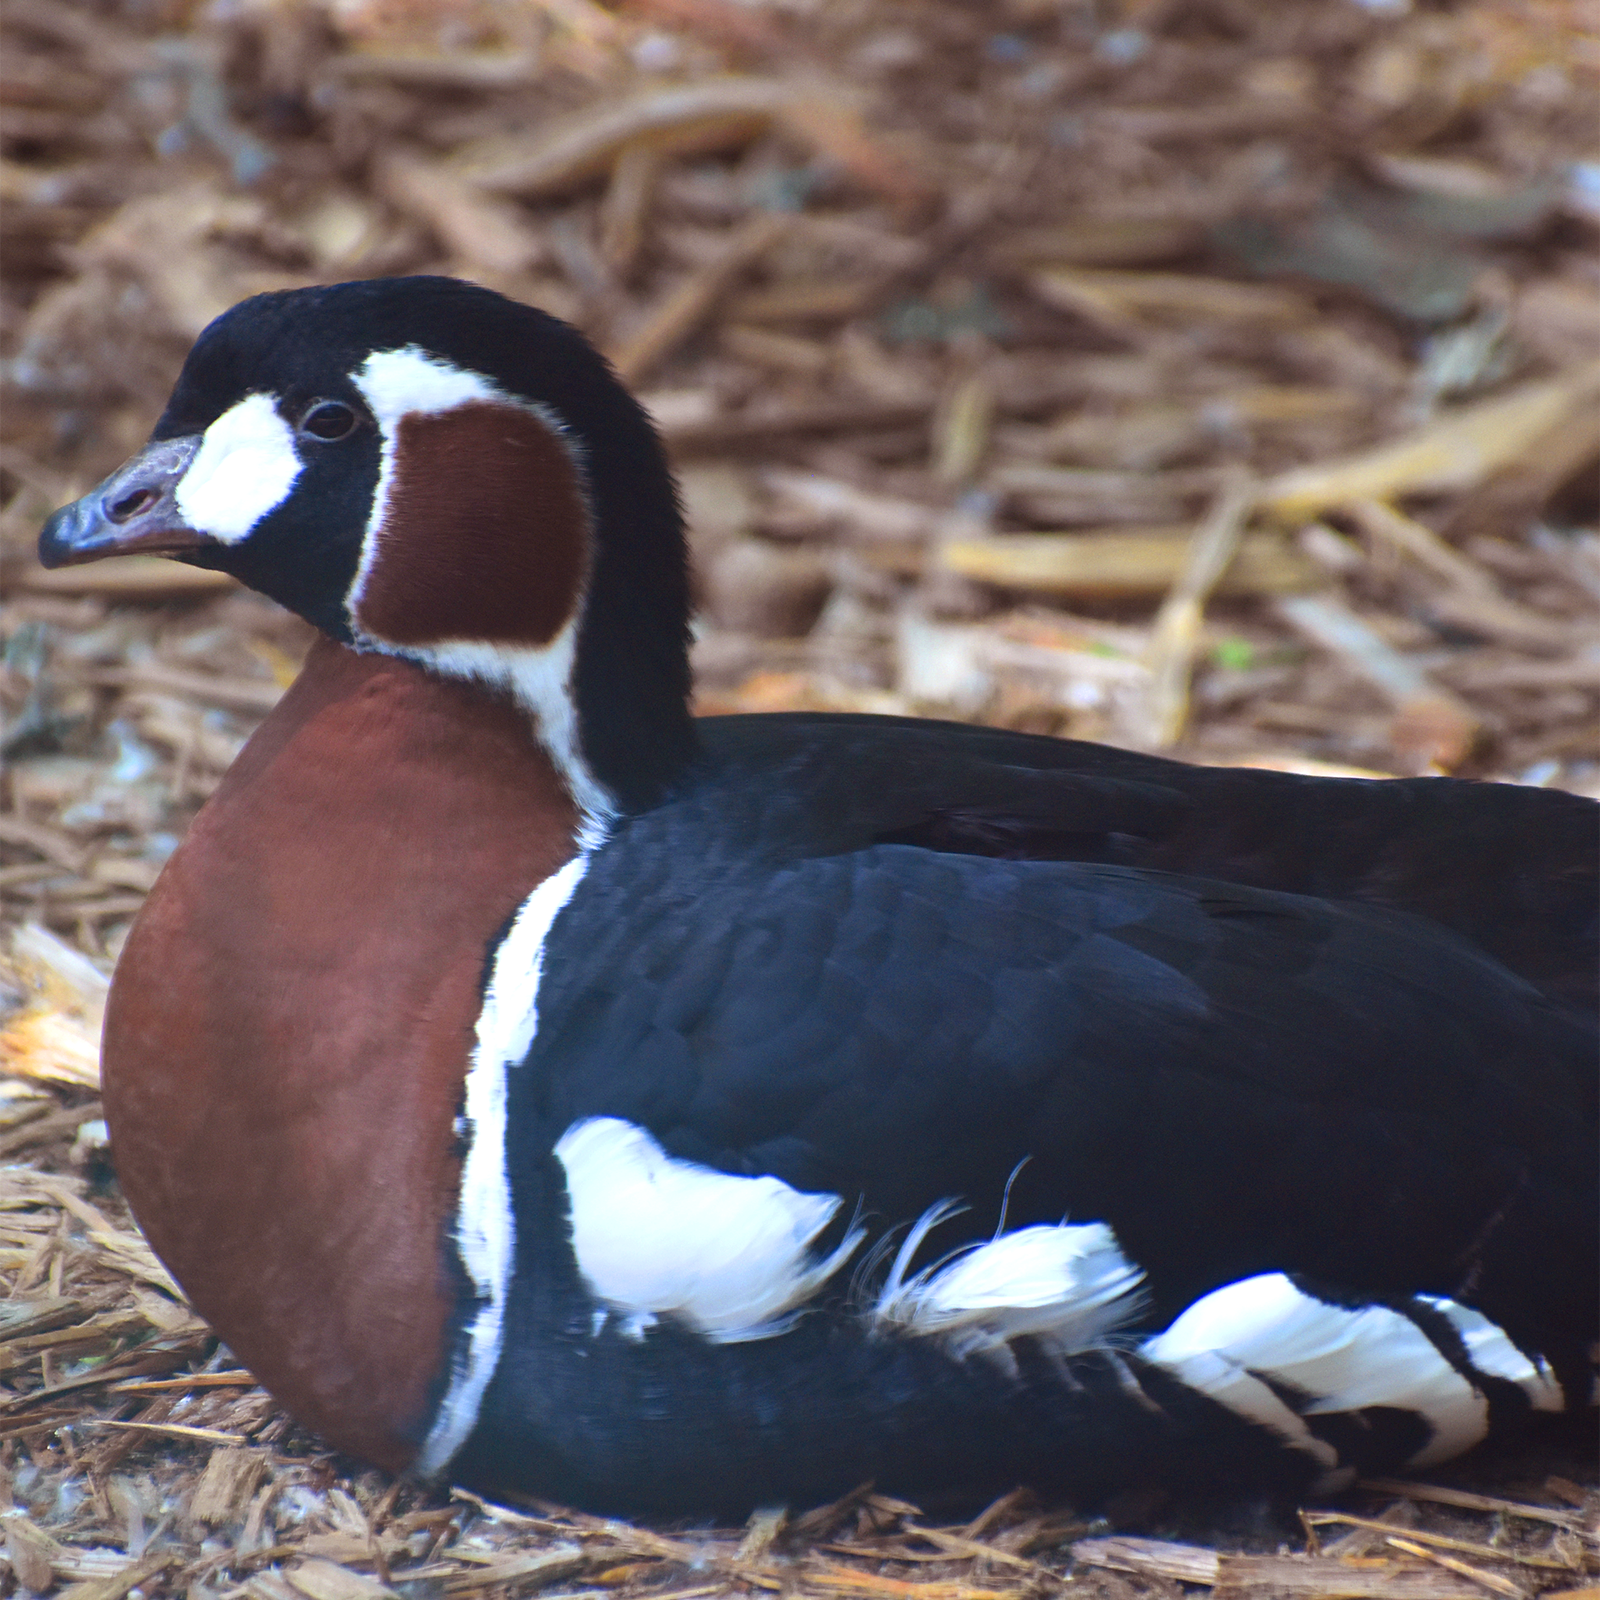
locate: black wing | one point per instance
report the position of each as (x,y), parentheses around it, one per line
(1236,1080)
(893,963)
(1516,870)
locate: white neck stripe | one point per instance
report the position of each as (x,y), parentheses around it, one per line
(485,1223)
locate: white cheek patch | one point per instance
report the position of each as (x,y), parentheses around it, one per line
(1069,1285)
(1264,1327)
(656,1236)
(245,467)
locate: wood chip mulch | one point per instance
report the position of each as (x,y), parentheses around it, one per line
(1207,377)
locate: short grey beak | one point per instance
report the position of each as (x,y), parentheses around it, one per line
(135,511)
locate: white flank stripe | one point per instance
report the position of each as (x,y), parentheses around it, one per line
(1221,1377)
(1066,1284)
(1264,1327)
(656,1236)
(245,467)
(1494,1355)
(485,1226)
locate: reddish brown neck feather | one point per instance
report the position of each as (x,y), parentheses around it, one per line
(291,1024)
(485,532)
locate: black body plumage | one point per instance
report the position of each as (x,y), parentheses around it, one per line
(1334,1033)
(1238,1080)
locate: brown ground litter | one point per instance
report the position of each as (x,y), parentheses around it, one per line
(1209,376)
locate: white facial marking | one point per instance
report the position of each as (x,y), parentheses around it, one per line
(1066,1284)
(401,383)
(410,382)
(245,467)
(1344,1359)
(656,1236)
(485,1226)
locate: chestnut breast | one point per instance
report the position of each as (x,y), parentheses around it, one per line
(292,1021)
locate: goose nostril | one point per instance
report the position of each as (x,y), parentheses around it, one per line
(130,506)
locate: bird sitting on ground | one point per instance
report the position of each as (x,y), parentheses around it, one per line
(538,1085)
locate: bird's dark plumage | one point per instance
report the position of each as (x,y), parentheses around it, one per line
(534,1083)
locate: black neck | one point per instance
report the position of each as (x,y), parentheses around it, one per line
(632,680)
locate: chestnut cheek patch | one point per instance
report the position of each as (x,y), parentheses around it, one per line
(484,533)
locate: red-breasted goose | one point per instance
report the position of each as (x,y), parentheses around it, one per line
(537,1085)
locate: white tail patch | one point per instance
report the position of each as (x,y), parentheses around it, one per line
(657,1236)
(1343,1360)
(1066,1284)
(485,1227)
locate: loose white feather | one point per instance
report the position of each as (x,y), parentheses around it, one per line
(657,1236)
(245,467)
(1068,1284)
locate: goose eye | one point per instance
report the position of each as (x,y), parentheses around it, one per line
(329,420)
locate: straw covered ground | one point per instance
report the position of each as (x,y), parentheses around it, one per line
(1189,374)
